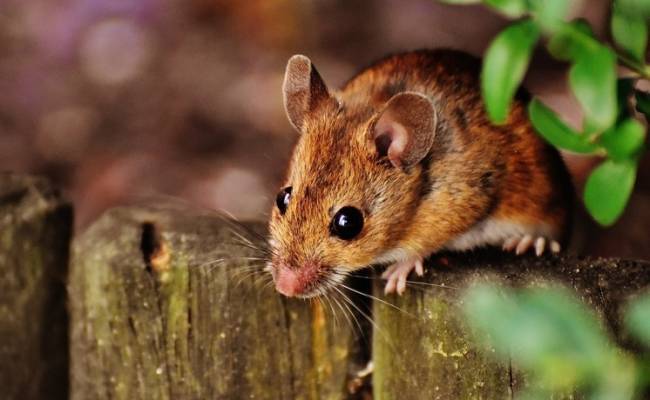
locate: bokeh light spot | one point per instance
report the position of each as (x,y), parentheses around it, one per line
(115,51)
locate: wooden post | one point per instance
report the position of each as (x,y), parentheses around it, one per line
(425,352)
(35,231)
(152,318)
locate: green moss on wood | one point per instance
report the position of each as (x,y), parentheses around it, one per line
(35,233)
(180,327)
(431,353)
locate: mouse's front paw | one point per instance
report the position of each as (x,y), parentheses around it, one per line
(521,244)
(397,273)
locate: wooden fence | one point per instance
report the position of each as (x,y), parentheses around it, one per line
(169,304)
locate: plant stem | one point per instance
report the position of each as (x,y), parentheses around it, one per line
(634,65)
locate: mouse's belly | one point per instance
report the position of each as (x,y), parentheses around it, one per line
(496,232)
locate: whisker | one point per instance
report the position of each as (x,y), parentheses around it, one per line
(231,259)
(374,324)
(262,279)
(248,245)
(222,214)
(232,220)
(330,283)
(212,268)
(244,239)
(345,314)
(237,272)
(247,275)
(370,320)
(268,284)
(329,304)
(247,269)
(347,307)
(436,285)
(378,299)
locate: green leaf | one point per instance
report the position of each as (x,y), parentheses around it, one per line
(608,190)
(482,304)
(593,81)
(625,140)
(572,40)
(544,331)
(549,13)
(620,382)
(635,7)
(630,32)
(461,1)
(504,66)
(637,318)
(511,8)
(643,103)
(556,132)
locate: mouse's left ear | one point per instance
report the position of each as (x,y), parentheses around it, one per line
(405,129)
(304,90)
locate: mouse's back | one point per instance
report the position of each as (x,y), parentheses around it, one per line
(399,163)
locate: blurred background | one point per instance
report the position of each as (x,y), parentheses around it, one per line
(116,100)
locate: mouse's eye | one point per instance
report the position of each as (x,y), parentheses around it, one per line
(282,200)
(347,223)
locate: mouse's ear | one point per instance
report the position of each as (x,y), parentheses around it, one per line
(405,129)
(303,89)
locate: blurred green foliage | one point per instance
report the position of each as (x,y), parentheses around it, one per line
(547,333)
(559,342)
(611,105)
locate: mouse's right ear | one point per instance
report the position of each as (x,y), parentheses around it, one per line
(405,129)
(303,89)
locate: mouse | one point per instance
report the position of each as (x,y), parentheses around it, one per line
(401,163)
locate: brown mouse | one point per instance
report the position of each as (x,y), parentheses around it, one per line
(402,162)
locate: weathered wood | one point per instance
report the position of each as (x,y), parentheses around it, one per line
(152,320)
(425,351)
(35,231)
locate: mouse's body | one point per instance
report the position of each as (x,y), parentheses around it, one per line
(403,162)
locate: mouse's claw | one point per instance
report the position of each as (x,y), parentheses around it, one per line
(522,244)
(397,273)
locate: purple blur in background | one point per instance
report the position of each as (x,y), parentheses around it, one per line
(116,100)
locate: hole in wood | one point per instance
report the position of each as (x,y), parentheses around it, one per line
(153,248)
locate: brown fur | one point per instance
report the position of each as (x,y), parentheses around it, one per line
(473,170)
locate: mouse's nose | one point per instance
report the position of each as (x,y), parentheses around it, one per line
(286,282)
(293,282)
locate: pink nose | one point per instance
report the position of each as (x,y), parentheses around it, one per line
(291,282)
(287,282)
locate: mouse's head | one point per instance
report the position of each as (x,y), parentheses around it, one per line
(353,185)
